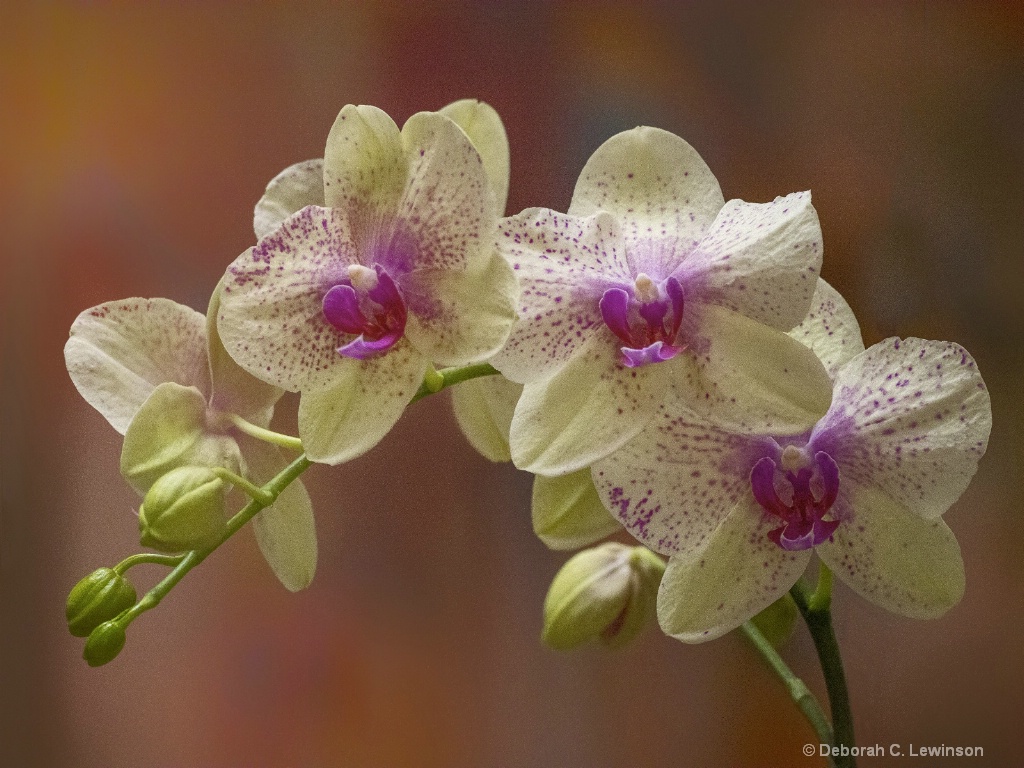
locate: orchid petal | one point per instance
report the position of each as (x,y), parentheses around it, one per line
(365,170)
(484,128)
(290,191)
(591,407)
(457,318)
(285,531)
(169,431)
(736,573)
(755,379)
(894,558)
(567,512)
(235,390)
(830,329)
(483,409)
(120,351)
(658,188)
(564,265)
(271,316)
(759,259)
(910,418)
(673,484)
(362,404)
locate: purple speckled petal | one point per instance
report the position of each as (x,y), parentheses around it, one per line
(585,411)
(674,483)
(341,308)
(367,397)
(829,478)
(614,306)
(759,259)
(290,191)
(120,351)
(484,128)
(910,418)
(271,316)
(677,301)
(662,193)
(830,329)
(735,573)
(894,558)
(564,265)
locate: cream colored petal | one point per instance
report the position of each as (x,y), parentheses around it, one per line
(367,397)
(591,407)
(485,129)
(753,378)
(235,390)
(737,573)
(458,318)
(291,190)
(567,512)
(483,409)
(830,329)
(285,531)
(120,351)
(170,431)
(658,188)
(896,559)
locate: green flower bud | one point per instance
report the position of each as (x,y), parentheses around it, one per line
(97,598)
(104,643)
(776,622)
(607,593)
(183,510)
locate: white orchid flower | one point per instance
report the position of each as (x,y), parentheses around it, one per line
(349,303)
(650,278)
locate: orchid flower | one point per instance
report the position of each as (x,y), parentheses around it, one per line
(864,486)
(651,278)
(349,303)
(156,370)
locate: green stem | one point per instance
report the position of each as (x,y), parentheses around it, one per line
(798,690)
(253,491)
(815,608)
(266,435)
(263,497)
(450,376)
(147,557)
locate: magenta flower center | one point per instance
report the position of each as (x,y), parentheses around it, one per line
(810,488)
(646,319)
(367,303)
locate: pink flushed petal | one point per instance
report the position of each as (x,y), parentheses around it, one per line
(564,265)
(759,259)
(910,418)
(614,306)
(674,482)
(271,317)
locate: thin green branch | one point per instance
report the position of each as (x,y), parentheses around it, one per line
(266,435)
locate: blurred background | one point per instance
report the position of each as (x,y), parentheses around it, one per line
(135,139)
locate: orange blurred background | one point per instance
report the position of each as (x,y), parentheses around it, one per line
(135,139)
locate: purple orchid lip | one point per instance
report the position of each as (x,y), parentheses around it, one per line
(647,322)
(370,305)
(803,520)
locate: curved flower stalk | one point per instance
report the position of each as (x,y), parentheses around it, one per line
(351,302)
(650,278)
(864,487)
(156,370)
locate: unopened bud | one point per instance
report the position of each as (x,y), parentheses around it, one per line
(607,593)
(104,643)
(183,510)
(97,598)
